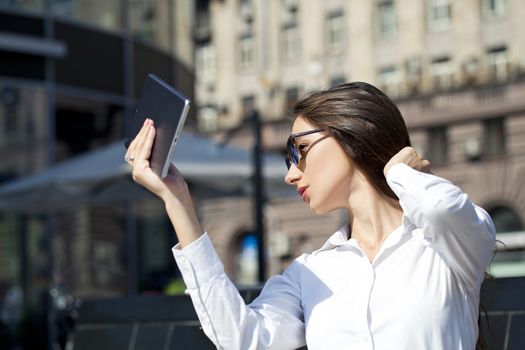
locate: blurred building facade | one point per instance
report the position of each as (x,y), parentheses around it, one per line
(456,69)
(70,71)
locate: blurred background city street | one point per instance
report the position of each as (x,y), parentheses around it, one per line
(73,225)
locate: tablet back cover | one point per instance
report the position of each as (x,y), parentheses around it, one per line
(168,109)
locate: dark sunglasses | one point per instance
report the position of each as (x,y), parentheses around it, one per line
(293,155)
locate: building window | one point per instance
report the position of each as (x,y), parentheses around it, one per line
(105,260)
(509,260)
(437,145)
(386,17)
(292,95)
(335,27)
(247,51)
(439,15)
(25,5)
(498,63)
(291,41)
(441,72)
(505,219)
(247,261)
(389,80)
(494,136)
(246,10)
(9,99)
(248,105)
(106,14)
(413,71)
(10,266)
(208,118)
(494,8)
(205,65)
(143,19)
(202,30)
(337,80)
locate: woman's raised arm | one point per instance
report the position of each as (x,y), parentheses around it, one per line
(173,189)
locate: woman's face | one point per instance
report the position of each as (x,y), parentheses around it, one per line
(324,175)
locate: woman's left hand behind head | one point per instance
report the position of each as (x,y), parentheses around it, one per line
(410,157)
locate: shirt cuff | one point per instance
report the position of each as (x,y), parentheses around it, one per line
(397,171)
(198,262)
(414,190)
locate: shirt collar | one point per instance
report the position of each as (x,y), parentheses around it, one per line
(341,237)
(337,239)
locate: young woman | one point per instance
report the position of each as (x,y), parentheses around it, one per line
(404,273)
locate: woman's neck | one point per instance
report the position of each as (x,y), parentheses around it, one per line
(373,217)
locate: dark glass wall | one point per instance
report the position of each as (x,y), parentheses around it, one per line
(94,59)
(66,103)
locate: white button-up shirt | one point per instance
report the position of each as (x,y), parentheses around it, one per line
(421,291)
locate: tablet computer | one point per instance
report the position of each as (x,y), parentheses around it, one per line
(168,108)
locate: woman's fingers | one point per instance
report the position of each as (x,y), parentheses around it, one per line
(140,148)
(415,160)
(147,143)
(410,157)
(136,140)
(135,149)
(139,139)
(425,166)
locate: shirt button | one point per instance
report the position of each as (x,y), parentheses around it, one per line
(365,339)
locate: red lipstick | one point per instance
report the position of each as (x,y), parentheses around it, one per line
(301,191)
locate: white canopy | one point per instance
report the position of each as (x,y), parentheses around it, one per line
(102,176)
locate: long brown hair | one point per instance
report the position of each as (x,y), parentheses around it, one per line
(364,121)
(370,129)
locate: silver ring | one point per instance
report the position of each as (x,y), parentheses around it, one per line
(129,158)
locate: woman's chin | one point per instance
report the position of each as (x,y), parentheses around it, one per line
(318,209)
(321,209)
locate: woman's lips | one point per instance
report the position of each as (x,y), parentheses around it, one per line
(302,192)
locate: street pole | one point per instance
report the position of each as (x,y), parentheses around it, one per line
(49,33)
(259,198)
(132,247)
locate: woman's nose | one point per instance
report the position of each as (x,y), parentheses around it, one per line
(292,175)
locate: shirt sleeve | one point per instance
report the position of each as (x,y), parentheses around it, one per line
(461,232)
(274,320)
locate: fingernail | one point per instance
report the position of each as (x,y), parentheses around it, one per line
(145,121)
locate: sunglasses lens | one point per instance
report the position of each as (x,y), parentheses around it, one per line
(288,162)
(293,156)
(293,152)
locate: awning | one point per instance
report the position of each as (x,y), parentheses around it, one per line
(102,176)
